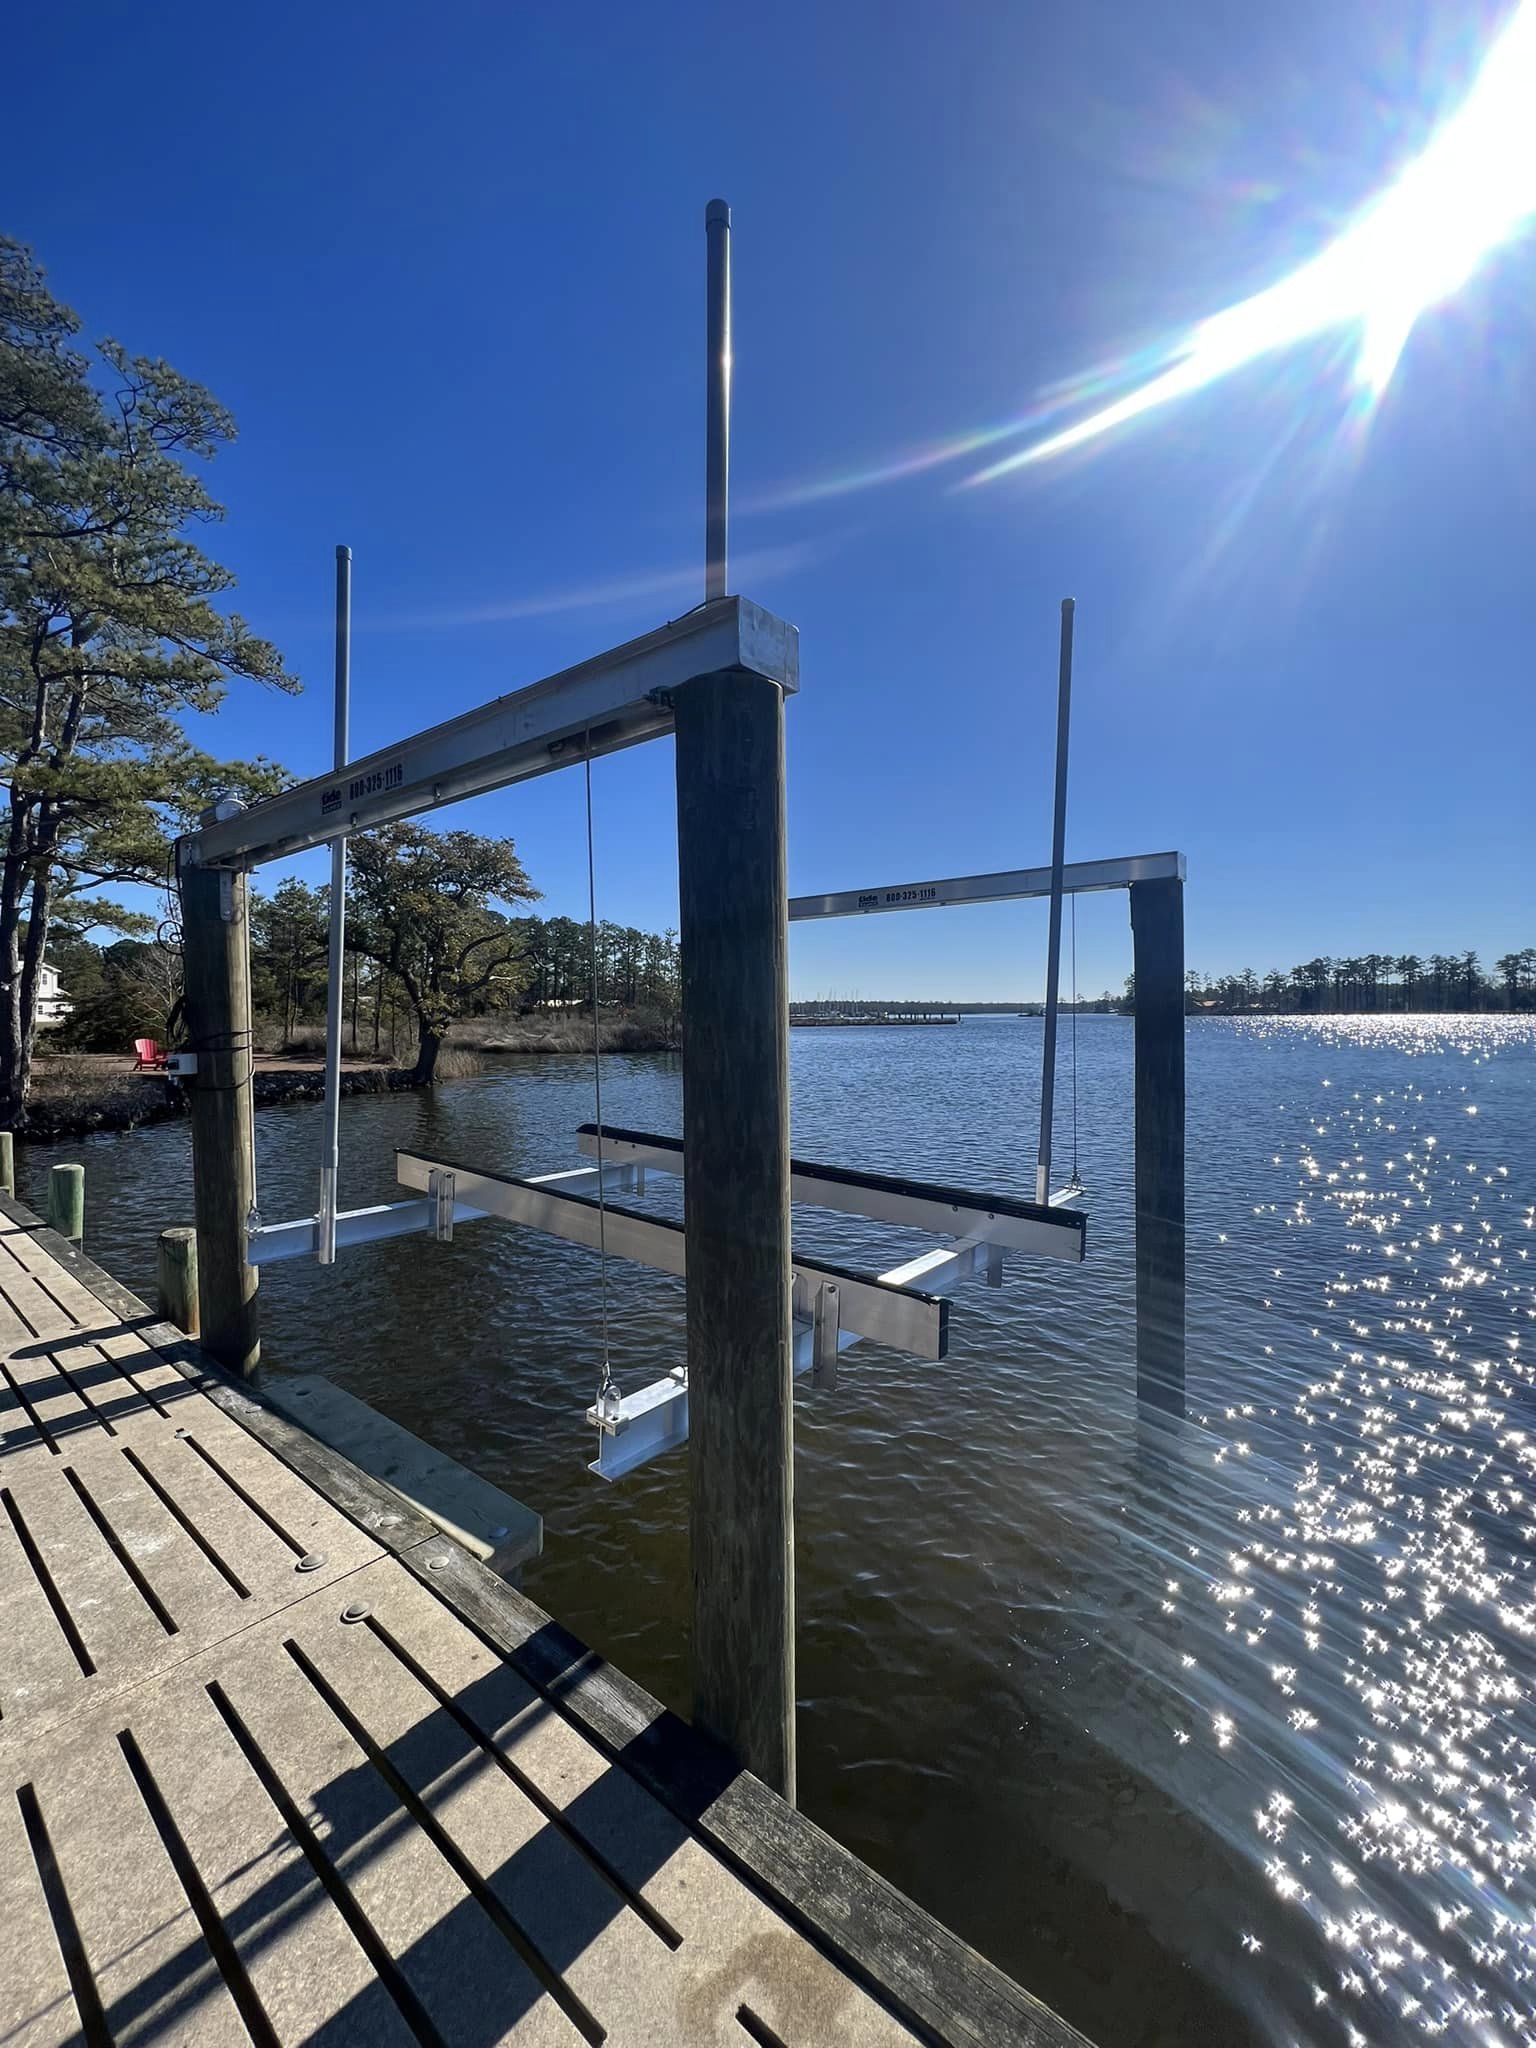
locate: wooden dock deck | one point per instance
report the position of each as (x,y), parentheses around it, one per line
(283,1764)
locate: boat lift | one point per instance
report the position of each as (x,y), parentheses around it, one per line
(716,680)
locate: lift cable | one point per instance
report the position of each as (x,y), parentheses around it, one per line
(607,1390)
(1075,1181)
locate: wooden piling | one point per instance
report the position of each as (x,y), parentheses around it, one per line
(176,1279)
(216,927)
(7,1164)
(1157,932)
(66,1201)
(734,929)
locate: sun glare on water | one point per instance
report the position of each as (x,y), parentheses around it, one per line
(1472,188)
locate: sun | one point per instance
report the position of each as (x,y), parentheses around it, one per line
(1416,244)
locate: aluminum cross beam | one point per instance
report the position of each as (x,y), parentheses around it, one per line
(907,1318)
(614,700)
(1078,878)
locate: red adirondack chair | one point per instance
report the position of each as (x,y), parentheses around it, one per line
(147,1055)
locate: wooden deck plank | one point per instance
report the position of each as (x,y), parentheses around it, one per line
(38,1663)
(55,1406)
(37,2007)
(144,1949)
(466,1975)
(72,1296)
(582,1927)
(177,1571)
(268,1497)
(92,1592)
(730,1936)
(313,1981)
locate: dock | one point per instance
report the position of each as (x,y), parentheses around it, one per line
(284,1763)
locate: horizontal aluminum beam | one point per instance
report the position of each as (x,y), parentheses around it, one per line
(654,1419)
(1078,878)
(267,1243)
(1045,1230)
(615,700)
(905,1318)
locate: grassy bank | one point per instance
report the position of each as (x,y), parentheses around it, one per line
(568,1031)
(76,1093)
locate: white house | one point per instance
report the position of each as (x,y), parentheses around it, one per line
(53,1006)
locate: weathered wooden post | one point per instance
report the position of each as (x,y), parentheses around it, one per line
(66,1202)
(733,919)
(735,944)
(216,929)
(1157,935)
(7,1163)
(176,1278)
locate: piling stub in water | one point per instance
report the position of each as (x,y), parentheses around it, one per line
(7,1163)
(66,1201)
(176,1277)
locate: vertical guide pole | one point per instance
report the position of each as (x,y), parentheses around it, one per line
(1053,946)
(717,418)
(1157,931)
(734,922)
(216,927)
(325,1234)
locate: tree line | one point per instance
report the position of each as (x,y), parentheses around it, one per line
(428,944)
(1369,983)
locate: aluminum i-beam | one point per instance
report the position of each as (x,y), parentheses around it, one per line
(614,700)
(1078,878)
(267,1243)
(1044,1229)
(907,1318)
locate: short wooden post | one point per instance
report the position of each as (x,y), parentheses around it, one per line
(66,1201)
(1157,933)
(735,946)
(176,1278)
(7,1163)
(216,928)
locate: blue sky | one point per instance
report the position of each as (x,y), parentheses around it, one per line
(446,267)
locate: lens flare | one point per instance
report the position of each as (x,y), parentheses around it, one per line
(1473,187)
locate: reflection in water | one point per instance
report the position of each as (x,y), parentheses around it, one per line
(1221,1733)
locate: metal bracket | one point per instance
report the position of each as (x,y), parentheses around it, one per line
(440,1192)
(824,1338)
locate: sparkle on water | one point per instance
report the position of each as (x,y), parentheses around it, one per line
(1389,1512)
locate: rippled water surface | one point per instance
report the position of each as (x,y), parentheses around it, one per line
(1228,1737)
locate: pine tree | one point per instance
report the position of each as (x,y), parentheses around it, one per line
(109,632)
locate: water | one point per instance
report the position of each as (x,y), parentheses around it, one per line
(1227,1739)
